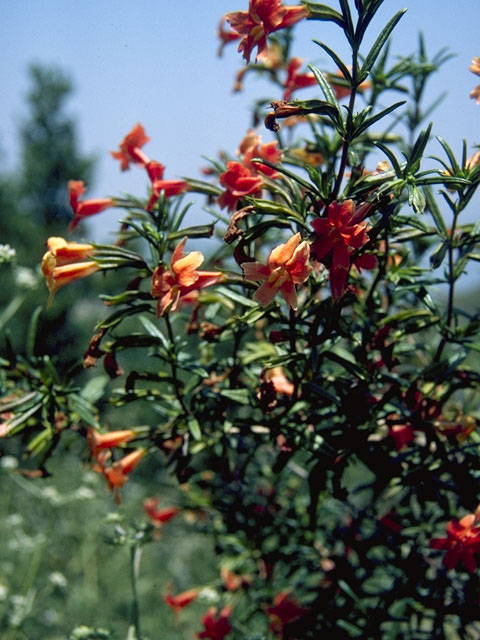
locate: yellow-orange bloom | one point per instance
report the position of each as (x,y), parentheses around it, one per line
(182,282)
(287,265)
(66,262)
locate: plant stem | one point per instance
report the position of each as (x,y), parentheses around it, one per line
(134,632)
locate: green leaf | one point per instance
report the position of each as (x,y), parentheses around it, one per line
(154,331)
(32,333)
(241,396)
(200,231)
(391,156)
(235,297)
(416,155)
(368,123)
(326,88)
(84,410)
(338,61)
(378,45)
(439,254)
(194,428)
(323,12)
(451,156)
(115,318)
(408,314)
(434,209)
(17,424)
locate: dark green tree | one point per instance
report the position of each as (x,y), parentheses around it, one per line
(50,155)
(34,204)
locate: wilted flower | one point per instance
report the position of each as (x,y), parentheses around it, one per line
(262,18)
(66,262)
(338,235)
(130,148)
(287,265)
(462,542)
(177,285)
(84,208)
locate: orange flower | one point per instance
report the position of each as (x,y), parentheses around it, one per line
(263,17)
(296,80)
(64,262)
(461,543)
(338,235)
(287,265)
(182,280)
(130,148)
(283,611)
(181,599)
(157,516)
(238,182)
(217,627)
(475,68)
(267,151)
(169,187)
(99,441)
(84,208)
(117,473)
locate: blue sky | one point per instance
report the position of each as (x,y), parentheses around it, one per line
(154,62)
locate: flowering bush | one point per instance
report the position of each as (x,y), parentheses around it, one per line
(325,436)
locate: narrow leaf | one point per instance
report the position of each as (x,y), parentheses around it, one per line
(434,209)
(378,45)
(338,61)
(323,12)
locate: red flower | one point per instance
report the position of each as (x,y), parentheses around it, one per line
(157,516)
(84,208)
(287,265)
(338,235)
(238,182)
(169,187)
(461,543)
(217,627)
(401,434)
(130,148)
(181,599)
(182,282)
(296,80)
(263,17)
(283,611)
